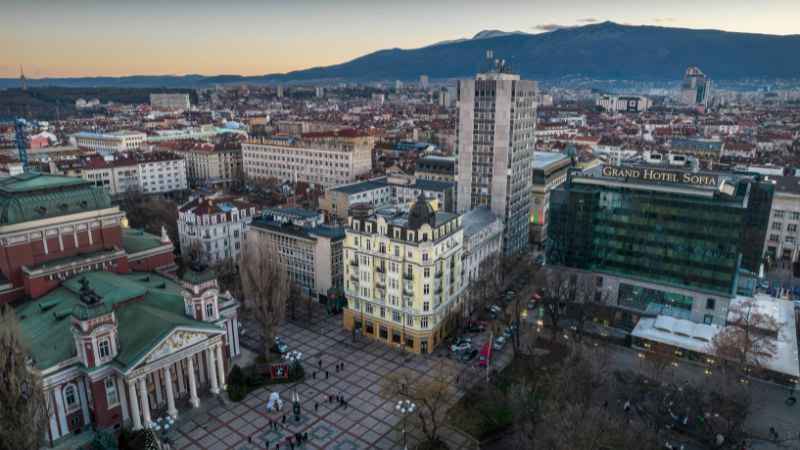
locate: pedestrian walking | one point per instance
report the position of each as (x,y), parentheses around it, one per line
(284,419)
(316,406)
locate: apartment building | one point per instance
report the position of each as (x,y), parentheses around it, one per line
(385,191)
(110,143)
(214,227)
(624,103)
(327,159)
(310,251)
(436,168)
(403,275)
(149,173)
(206,165)
(483,241)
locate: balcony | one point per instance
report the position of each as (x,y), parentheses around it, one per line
(354,277)
(408,276)
(354,262)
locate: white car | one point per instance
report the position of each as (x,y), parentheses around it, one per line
(460,347)
(499,342)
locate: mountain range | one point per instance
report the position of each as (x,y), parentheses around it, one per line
(602,51)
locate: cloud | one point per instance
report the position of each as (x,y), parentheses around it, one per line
(664,19)
(549,27)
(589,20)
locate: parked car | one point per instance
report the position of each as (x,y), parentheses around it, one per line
(495,309)
(469,355)
(499,342)
(460,344)
(539,260)
(508,332)
(476,327)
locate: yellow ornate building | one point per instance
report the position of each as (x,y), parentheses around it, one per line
(403,275)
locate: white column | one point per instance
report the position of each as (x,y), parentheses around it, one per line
(84,402)
(201,369)
(51,406)
(212,372)
(235,338)
(221,367)
(170,395)
(192,384)
(123,398)
(181,381)
(145,402)
(134,401)
(62,416)
(157,385)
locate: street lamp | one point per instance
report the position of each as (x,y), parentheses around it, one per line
(163,424)
(405,407)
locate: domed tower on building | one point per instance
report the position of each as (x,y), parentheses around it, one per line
(94,328)
(201,293)
(421,213)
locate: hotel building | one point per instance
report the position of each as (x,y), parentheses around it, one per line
(404,275)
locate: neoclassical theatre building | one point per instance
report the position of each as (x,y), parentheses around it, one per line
(115,336)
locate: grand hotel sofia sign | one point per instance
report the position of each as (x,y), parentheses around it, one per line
(660,175)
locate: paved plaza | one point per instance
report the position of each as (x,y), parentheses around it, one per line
(368,422)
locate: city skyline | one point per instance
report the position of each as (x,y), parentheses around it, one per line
(256,38)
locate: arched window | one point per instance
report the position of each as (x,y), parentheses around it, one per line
(71,402)
(210,310)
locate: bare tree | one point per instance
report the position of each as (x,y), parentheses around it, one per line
(557,287)
(749,338)
(23,416)
(433,395)
(266,287)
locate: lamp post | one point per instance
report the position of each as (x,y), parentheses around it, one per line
(405,407)
(163,424)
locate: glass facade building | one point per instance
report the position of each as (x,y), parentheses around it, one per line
(684,229)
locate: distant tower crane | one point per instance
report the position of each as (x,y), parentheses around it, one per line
(22,142)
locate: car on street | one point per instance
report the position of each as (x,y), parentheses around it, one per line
(468,355)
(539,260)
(508,332)
(476,327)
(461,344)
(499,342)
(495,309)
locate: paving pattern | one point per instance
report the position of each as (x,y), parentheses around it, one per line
(368,422)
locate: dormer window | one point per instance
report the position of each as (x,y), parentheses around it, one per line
(104,348)
(71,398)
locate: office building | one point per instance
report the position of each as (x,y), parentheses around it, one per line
(210,166)
(170,102)
(310,251)
(549,172)
(423,81)
(386,191)
(213,228)
(496,123)
(404,275)
(327,159)
(109,143)
(662,241)
(783,236)
(624,103)
(696,89)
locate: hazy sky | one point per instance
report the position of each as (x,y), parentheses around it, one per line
(249,37)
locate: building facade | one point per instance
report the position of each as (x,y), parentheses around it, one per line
(113,349)
(696,89)
(53,227)
(436,168)
(404,275)
(783,235)
(660,240)
(310,251)
(148,173)
(549,172)
(170,102)
(624,103)
(207,166)
(109,143)
(326,159)
(483,241)
(213,228)
(496,124)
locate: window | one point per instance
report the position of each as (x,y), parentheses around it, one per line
(396,316)
(710,303)
(112,398)
(795,215)
(708,319)
(424,257)
(779,214)
(426,289)
(383,312)
(790,239)
(774,237)
(791,228)
(369,308)
(427,272)
(777,226)
(426,306)
(599,282)
(423,322)
(210,311)
(71,398)
(104,346)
